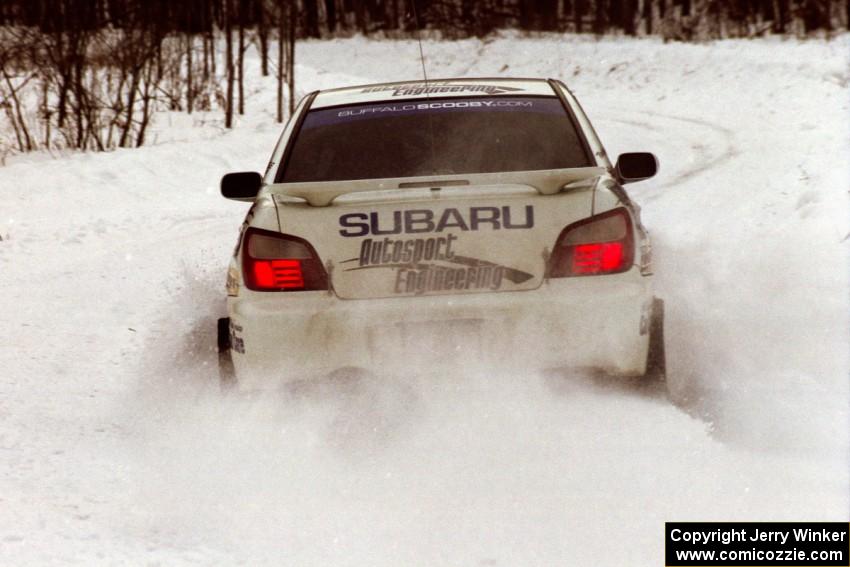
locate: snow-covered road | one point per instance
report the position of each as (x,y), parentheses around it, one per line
(116,447)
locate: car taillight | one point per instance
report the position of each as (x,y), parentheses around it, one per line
(280,262)
(602,244)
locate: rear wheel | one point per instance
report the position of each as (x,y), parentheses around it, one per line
(226,372)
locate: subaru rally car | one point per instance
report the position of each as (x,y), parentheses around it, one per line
(406,226)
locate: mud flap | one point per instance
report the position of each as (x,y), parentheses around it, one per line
(226,372)
(656,360)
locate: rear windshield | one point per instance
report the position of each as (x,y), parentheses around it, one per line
(434,137)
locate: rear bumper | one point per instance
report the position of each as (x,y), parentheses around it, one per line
(598,322)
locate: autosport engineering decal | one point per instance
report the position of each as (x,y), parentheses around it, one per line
(437,88)
(416,271)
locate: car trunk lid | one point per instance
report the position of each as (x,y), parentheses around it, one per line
(435,237)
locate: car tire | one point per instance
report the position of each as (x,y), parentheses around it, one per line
(226,372)
(656,359)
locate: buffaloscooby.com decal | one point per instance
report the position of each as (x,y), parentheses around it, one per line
(432,264)
(402,108)
(439,88)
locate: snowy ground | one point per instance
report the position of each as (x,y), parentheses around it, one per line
(116,447)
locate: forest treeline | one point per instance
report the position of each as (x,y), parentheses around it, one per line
(680,19)
(90,74)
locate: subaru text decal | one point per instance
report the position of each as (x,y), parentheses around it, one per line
(417,221)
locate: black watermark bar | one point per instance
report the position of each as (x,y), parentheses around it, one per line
(757,544)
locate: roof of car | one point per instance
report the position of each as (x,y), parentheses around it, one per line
(407,90)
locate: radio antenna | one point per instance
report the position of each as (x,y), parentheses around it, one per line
(419,40)
(427,89)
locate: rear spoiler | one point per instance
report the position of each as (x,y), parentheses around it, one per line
(545,182)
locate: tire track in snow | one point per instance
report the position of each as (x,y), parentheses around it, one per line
(705,160)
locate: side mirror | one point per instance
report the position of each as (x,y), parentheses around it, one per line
(636,166)
(242,186)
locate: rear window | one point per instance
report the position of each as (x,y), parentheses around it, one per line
(434,137)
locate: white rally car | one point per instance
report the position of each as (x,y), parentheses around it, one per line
(407,226)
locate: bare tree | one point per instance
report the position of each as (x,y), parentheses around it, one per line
(228,31)
(282,51)
(240,60)
(290,59)
(261,18)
